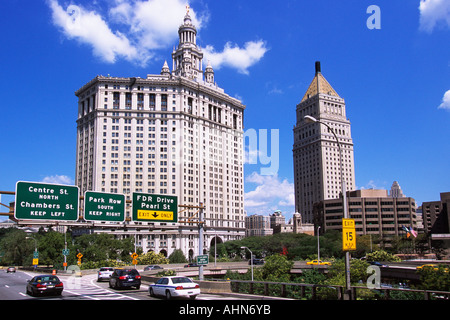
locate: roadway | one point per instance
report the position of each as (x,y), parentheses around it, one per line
(12,287)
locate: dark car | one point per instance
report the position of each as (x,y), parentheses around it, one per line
(191,265)
(45,284)
(256,261)
(125,278)
(11,269)
(152,267)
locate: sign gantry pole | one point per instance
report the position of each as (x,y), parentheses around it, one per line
(201,223)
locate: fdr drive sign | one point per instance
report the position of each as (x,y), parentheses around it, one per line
(44,201)
(155,208)
(100,206)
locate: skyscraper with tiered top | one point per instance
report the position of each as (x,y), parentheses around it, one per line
(317,171)
(174,133)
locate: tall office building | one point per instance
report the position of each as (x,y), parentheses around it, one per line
(317,166)
(174,133)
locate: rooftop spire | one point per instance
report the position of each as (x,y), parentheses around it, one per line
(318,67)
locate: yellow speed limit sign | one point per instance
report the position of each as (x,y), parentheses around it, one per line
(348,235)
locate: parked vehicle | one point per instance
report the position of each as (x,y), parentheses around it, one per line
(125,278)
(105,273)
(44,284)
(175,286)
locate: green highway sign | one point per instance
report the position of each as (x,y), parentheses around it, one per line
(100,206)
(202,259)
(154,208)
(45,201)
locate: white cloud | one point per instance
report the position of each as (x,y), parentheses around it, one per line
(57,179)
(433,13)
(154,24)
(88,27)
(236,57)
(270,192)
(445,101)
(145,26)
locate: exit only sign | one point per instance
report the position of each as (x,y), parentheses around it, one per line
(154,207)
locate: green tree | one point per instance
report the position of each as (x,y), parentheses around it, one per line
(358,271)
(381,255)
(50,248)
(276,268)
(434,278)
(177,256)
(16,248)
(152,258)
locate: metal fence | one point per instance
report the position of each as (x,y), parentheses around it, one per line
(332,292)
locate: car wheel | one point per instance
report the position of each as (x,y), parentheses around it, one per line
(192,297)
(168,295)
(138,287)
(152,294)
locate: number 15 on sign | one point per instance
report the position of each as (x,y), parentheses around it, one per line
(348,235)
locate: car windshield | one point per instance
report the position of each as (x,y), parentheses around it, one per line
(106,269)
(181,280)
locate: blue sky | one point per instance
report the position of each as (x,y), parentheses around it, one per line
(395,80)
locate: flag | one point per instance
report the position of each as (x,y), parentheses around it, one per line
(414,233)
(408,234)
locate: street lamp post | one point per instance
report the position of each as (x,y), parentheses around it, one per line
(251,258)
(311,119)
(215,246)
(318,246)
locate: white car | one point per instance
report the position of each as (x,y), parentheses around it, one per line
(175,286)
(105,273)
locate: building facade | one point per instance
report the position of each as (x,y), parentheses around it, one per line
(257,225)
(317,160)
(374,213)
(436,215)
(173,133)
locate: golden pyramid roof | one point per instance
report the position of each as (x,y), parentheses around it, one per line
(319,85)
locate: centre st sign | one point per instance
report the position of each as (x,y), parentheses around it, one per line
(44,201)
(154,208)
(99,206)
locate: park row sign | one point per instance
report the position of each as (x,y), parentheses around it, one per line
(53,202)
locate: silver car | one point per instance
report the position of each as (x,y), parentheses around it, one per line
(105,273)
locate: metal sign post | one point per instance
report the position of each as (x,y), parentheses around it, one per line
(200,241)
(201,223)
